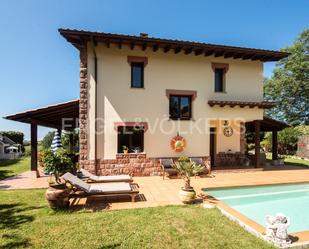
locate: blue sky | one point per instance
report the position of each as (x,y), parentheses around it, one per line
(38,67)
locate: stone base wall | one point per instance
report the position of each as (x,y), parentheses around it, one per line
(130,164)
(134,164)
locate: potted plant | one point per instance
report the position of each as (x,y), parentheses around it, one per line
(187,169)
(125,149)
(57,163)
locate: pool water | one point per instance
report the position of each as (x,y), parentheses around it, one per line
(258,201)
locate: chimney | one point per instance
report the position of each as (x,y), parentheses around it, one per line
(143,35)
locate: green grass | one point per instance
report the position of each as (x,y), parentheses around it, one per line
(296,161)
(27,222)
(291,160)
(13,167)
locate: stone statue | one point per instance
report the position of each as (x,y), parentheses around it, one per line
(277,229)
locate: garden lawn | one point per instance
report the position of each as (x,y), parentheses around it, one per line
(27,222)
(13,167)
(296,161)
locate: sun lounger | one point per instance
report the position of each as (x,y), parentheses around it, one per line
(116,178)
(166,165)
(83,189)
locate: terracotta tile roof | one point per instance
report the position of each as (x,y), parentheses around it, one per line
(79,37)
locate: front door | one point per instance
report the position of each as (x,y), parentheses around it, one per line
(212,147)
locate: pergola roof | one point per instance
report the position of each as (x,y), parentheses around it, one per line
(79,37)
(51,116)
(267,124)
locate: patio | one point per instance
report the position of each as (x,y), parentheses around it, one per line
(154,191)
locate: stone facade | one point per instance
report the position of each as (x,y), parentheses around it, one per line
(130,164)
(303,147)
(83,109)
(134,164)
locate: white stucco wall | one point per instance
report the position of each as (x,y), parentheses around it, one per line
(117,102)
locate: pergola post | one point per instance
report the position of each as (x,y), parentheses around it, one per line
(274,145)
(71,142)
(257,128)
(34,147)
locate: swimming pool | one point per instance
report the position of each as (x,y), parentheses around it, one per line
(258,201)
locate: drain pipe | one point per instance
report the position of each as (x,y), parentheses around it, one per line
(94,44)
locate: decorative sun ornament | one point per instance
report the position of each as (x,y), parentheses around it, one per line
(228,131)
(178,143)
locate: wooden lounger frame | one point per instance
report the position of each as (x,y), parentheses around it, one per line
(76,193)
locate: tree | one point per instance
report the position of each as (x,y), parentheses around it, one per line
(16,136)
(65,140)
(47,140)
(287,139)
(289,85)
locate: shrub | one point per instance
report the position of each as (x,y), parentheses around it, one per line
(57,163)
(287,140)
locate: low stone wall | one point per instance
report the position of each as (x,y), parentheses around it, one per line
(130,164)
(134,164)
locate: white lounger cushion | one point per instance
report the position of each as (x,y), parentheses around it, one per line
(111,178)
(105,178)
(110,188)
(97,188)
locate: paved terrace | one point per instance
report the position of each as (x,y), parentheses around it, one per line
(154,191)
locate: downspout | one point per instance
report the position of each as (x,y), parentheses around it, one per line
(95,101)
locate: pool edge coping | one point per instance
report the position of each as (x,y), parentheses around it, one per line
(250,225)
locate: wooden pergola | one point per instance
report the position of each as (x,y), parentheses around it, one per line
(265,125)
(63,116)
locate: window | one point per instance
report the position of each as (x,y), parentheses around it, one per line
(131,137)
(219,80)
(180,107)
(137,75)
(220,70)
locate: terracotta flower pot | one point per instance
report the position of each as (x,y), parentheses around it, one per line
(58,196)
(187,195)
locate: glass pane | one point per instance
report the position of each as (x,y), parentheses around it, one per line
(137,75)
(185,107)
(219,80)
(174,107)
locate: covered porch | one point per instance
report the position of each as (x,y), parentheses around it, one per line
(266,125)
(242,159)
(62,116)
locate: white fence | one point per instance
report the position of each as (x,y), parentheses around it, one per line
(10,156)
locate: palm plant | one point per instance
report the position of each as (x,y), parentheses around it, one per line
(187,168)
